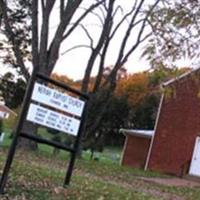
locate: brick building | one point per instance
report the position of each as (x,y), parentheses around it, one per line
(175,144)
(136,147)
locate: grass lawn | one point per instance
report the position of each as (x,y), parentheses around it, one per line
(40,175)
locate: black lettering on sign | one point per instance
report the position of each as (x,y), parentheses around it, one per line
(60,97)
(40,115)
(54,115)
(51,118)
(63,118)
(41,110)
(39,119)
(43,90)
(62,122)
(58,126)
(50,123)
(65,106)
(55,102)
(74,103)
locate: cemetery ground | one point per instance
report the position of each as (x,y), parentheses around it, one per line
(40,175)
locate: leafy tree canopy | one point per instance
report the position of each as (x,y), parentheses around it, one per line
(175,32)
(12,90)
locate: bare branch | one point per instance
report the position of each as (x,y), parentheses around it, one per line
(137,43)
(35,53)
(121,57)
(62,7)
(95,14)
(121,22)
(75,47)
(119,8)
(88,35)
(101,66)
(140,33)
(58,38)
(43,4)
(45,33)
(124,42)
(104,36)
(81,18)
(102,10)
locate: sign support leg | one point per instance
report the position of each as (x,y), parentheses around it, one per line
(76,149)
(12,148)
(8,164)
(70,169)
(19,131)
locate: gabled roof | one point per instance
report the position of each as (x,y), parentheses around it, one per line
(169,82)
(4,108)
(137,132)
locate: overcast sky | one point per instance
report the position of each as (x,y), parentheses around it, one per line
(73,63)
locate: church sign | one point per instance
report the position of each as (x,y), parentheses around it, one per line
(55,120)
(57,99)
(43,105)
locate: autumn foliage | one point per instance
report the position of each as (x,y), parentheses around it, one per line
(134,87)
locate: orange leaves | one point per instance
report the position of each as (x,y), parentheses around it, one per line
(62,78)
(134,87)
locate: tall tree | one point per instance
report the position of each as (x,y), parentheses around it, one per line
(137,18)
(46,46)
(12,90)
(175,33)
(45,50)
(15,27)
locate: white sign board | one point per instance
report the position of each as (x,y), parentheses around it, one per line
(52,119)
(58,100)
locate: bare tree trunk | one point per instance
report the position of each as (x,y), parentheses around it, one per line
(105,96)
(27,144)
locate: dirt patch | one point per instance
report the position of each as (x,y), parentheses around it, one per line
(172,182)
(140,185)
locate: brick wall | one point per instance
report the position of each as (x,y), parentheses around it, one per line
(135,151)
(178,126)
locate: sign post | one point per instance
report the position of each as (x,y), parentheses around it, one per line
(53,109)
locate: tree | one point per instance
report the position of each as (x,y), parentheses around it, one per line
(62,78)
(175,33)
(142,91)
(134,87)
(45,50)
(143,99)
(12,90)
(107,133)
(15,45)
(143,115)
(116,117)
(104,87)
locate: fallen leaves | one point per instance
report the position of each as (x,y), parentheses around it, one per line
(41,179)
